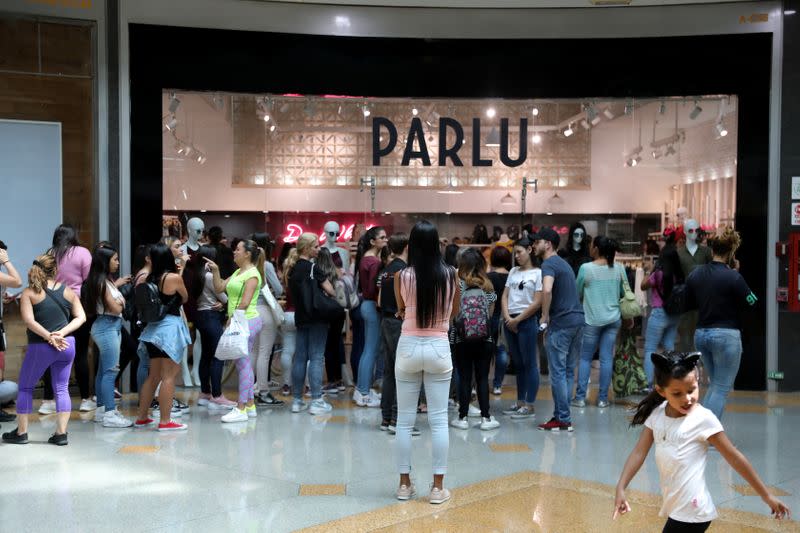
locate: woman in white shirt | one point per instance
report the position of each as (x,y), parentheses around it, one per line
(102,298)
(522,300)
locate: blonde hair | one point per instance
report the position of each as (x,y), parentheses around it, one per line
(305,242)
(169,240)
(44,268)
(725,244)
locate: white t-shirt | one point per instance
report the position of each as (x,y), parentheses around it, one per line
(681,450)
(115,295)
(522,286)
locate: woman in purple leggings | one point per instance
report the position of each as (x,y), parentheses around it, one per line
(52,312)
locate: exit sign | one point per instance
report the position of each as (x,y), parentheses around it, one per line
(775,375)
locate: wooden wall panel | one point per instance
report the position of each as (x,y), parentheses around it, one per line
(66,49)
(18,45)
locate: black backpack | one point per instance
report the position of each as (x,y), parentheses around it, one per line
(676,303)
(149,306)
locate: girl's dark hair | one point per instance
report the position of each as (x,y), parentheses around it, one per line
(365,244)
(142,251)
(196,270)
(162,262)
(584,244)
(215,235)
(285,249)
(264,241)
(64,238)
(325,264)
(608,248)
(671,271)
(662,378)
(451,255)
(472,270)
(434,279)
(93,290)
(500,257)
(480,235)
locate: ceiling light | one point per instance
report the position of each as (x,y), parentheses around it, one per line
(696,111)
(414,111)
(508,200)
(549,214)
(447,213)
(591,116)
(387,212)
(173,103)
(171,124)
(366,110)
(273,127)
(204,210)
(266,118)
(721,129)
(608,114)
(537,139)
(493,139)
(596,120)
(501,214)
(535,111)
(569,131)
(491,112)
(790,12)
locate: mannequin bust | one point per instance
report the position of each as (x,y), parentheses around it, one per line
(681,215)
(690,228)
(576,251)
(332,233)
(693,254)
(194,228)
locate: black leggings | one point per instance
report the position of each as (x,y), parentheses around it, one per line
(674,526)
(334,351)
(81,363)
(477,355)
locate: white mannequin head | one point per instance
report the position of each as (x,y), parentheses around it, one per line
(194,228)
(690,228)
(577,238)
(681,215)
(332,233)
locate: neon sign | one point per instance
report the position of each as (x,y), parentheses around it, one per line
(293,232)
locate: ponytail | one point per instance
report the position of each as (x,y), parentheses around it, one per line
(262,257)
(607,247)
(44,268)
(646,407)
(288,265)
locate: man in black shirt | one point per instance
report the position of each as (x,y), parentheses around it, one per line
(390,326)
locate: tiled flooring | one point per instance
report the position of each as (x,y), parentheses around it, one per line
(283,472)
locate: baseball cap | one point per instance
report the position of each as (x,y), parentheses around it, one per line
(548,234)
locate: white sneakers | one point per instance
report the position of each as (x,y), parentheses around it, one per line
(299,405)
(235,415)
(220,403)
(371,399)
(48,407)
(99,414)
(439,495)
(87,405)
(114,419)
(319,407)
(489,423)
(459,423)
(203,399)
(404,492)
(474,412)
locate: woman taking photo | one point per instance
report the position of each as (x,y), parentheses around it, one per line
(722,297)
(73,262)
(52,312)
(427,300)
(600,285)
(473,356)
(312,332)
(242,289)
(210,323)
(101,296)
(522,300)
(165,340)
(368,264)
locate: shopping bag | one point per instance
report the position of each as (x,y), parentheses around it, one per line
(274,307)
(628,377)
(233,343)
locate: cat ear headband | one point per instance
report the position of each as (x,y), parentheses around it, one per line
(668,360)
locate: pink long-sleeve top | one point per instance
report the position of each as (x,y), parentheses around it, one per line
(74,268)
(408,291)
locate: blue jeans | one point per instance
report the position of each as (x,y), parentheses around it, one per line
(522,346)
(661,331)
(358,341)
(210,325)
(722,353)
(372,344)
(563,348)
(593,336)
(107,335)
(310,348)
(500,353)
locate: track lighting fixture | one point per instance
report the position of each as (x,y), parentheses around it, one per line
(366,110)
(273,127)
(722,131)
(584,124)
(656,153)
(629,106)
(669,151)
(569,131)
(634,157)
(200,157)
(171,124)
(695,112)
(535,111)
(174,103)
(608,114)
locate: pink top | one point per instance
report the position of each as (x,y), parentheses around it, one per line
(74,268)
(408,291)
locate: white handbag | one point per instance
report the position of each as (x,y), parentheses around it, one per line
(233,343)
(274,307)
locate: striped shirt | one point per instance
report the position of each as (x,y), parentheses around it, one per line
(600,289)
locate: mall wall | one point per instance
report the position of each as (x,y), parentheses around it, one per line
(615,188)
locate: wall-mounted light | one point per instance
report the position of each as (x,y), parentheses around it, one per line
(722,131)
(491,112)
(569,131)
(535,111)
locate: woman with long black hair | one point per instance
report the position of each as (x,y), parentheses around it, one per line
(427,300)
(102,299)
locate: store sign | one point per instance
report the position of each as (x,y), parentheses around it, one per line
(451,141)
(795,187)
(795,213)
(293,232)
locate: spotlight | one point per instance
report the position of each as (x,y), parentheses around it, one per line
(591,116)
(669,151)
(171,124)
(569,131)
(491,112)
(535,111)
(200,158)
(266,118)
(273,127)
(414,111)
(790,12)
(636,160)
(721,129)
(174,103)
(696,111)
(608,114)
(585,124)
(366,110)
(537,139)
(662,108)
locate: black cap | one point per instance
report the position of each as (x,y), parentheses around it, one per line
(548,234)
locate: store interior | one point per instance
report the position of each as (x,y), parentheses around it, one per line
(284,164)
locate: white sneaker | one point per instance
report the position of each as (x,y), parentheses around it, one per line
(360,399)
(319,407)
(373,399)
(375,393)
(251,411)
(99,414)
(299,405)
(489,423)
(459,423)
(203,399)
(48,407)
(439,495)
(474,412)
(451,404)
(497,391)
(236,415)
(87,405)
(114,419)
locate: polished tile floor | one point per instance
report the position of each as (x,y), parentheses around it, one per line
(284,472)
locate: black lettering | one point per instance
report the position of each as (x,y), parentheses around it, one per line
(377,151)
(416,131)
(523,143)
(452,152)
(476,145)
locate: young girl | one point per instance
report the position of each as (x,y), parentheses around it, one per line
(682,430)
